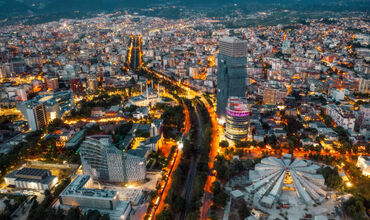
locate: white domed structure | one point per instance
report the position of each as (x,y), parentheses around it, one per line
(274,175)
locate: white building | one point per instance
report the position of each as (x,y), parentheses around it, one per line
(269,177)
(156,127)
(337,94)
(342,116)
(141,113)
(80,193)
(135,168)
(364,115)
(364,84)
(103,161)
(150,97)
(363,162)
(30,178)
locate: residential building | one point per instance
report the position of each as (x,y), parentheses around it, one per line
(274,95)
(141,113)
(363,117)
(363,162)
(337,94)
(364,84)
(52,83)
(342,116)
(35,113)
(92,84)
(76,86)
(45,108)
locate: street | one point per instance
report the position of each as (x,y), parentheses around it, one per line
(188,188)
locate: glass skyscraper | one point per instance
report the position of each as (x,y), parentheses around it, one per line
(232,71)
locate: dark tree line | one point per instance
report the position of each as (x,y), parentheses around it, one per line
(332,178)
(83,108)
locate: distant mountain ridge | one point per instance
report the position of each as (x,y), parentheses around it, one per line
(10,8)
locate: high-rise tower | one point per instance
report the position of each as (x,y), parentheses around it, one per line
(232,71)
(35,113)
(134,56)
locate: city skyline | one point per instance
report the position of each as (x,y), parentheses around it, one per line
(184,110)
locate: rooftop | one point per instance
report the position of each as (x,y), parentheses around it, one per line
(76,188)
(32,172)
(237,104)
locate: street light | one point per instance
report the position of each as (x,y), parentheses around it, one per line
(180,145)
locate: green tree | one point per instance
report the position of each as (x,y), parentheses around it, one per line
(354,207)
(216,187)
(164,215)
(91,215)
(243,211)
(220,199)
(293,125)
(332,178)
(56,124)
(224,144)
(240,144)
(73,213)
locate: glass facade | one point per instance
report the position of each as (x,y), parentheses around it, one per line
(231,73)
(96,159)
(237,119)
(104,162)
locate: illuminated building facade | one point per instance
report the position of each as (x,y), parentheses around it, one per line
(135,168)
(149,97)
(135,52)
(31,178)
(231,73)
(80,192)
(92,84)
(275,176)
(35,114)
(45,108)
(363,162)
(274,95)
(237,119)
(364,84)
(52,83)
(76,86)
(103,161)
